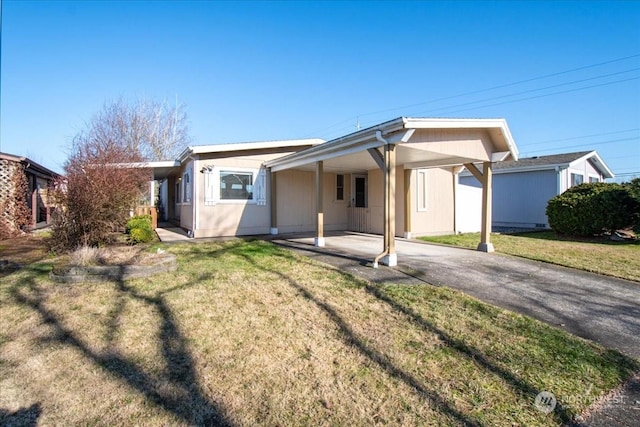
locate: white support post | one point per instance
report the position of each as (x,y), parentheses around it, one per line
(319,240)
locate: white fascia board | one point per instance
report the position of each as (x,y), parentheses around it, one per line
(434,123)
(245,146)
(148,165)
(356,142)
(293,162)
(599,163)
(430,123)
(309,155)
(524,169)
(158,164)
(220,148)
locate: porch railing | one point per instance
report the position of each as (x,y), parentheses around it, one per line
(359,220)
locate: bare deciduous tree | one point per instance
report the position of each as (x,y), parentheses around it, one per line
(99,188)
(157,130)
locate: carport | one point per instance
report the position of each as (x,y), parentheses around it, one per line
(409,145)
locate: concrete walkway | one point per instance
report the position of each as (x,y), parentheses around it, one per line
(168,233)
(599,308)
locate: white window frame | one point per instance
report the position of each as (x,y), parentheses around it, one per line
(212,194)
(178,190)
(571,174)
(592,176)
(421,190)
(187,187)
(337,187)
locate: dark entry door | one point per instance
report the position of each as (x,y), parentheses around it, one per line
(361,189)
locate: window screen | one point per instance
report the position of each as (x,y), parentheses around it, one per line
(236,185)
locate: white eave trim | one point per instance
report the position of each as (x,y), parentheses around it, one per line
(431,123)
(597,161)
(155,164)
(246,146)
(366,138)
(353,143)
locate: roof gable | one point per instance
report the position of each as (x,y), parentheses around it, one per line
(552,161)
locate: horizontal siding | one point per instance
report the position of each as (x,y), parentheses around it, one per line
(439,216)
(296,198)
(524,198)
(520,198)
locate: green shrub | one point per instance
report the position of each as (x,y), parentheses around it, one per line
(634,188)
(592,209)
(140,221)
(139,229)
(141,235)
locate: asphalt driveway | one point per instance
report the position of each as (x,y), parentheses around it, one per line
(592,306)
(599,308)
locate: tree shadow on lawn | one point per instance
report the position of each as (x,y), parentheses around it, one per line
(176,390)
(352,339)
(23,417)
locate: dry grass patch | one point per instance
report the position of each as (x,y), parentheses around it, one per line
(246,333)
(617,259)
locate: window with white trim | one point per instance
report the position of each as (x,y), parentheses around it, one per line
(593,179)
(576,179)
(421,188)
(236,185)
(186,187)
(339,187)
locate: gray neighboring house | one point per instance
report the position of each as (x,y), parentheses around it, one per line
(521,189)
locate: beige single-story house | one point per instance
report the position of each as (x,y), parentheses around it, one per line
(398,179)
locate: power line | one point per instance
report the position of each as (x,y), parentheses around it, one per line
(611,141)
(475,92)
(503,85)
(537,96)
(539,89)
(433,112)
(578,137)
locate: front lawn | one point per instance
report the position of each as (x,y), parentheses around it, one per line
(617,259)
(247,333)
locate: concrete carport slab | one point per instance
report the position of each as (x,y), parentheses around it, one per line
(599,308)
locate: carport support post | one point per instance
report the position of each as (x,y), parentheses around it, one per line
(391,258)
(485,179)
(485,231)
(274,203)
(319,240)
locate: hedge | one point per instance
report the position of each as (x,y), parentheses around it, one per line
(593,209)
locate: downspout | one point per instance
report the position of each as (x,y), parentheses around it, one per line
(194,210)
(385,177)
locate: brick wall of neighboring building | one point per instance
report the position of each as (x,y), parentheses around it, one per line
(7,169)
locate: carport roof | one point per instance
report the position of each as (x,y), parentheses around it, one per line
(350,152)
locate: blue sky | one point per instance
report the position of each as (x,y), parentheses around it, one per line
(565,75)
